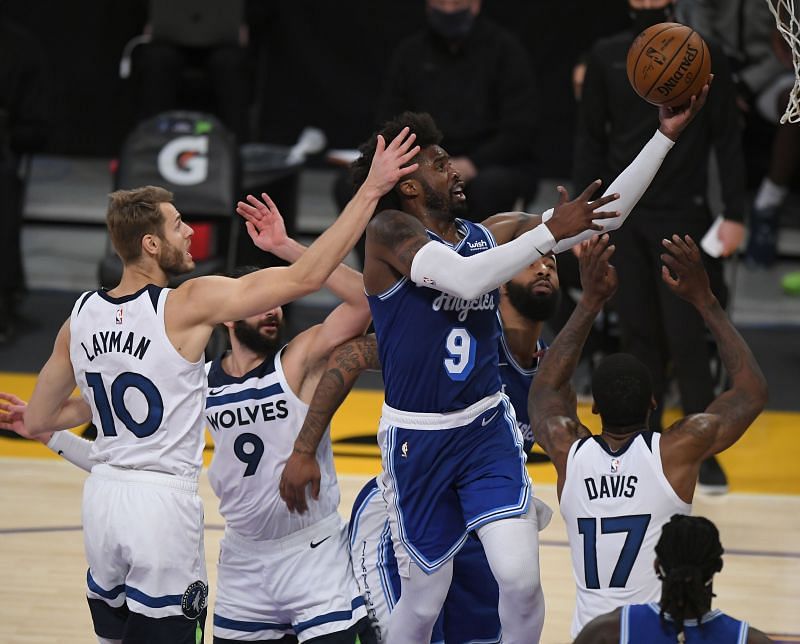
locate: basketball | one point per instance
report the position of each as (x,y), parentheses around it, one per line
(668,63)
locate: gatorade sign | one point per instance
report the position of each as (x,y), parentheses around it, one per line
(184,161)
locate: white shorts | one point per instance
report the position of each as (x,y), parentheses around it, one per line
(301,584)
(372,557)
(143,536)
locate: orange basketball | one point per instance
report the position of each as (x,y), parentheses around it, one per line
(668,63)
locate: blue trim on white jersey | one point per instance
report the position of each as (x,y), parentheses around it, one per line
(97,590)
(336,616)
(132,593)
(384,545)
(248,627)
(244,394)
(361,505)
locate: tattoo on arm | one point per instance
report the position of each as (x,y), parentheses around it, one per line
(741,404)
(400,233)
(345,364)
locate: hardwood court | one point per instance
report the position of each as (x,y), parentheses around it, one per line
(44,571)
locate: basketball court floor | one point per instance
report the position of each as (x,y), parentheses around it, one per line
(41,553)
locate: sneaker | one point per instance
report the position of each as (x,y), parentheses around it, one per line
(712,479)
(762,243)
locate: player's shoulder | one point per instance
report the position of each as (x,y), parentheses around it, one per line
(696,427)
(603,629)
(389,226)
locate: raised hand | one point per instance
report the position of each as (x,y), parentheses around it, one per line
(12,417)
(683,270)
(598,277)
(675,119)
(301,469)
(389,163)
(571,218)
(264,222)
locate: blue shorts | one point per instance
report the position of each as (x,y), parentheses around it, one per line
(470,610)
(445,475)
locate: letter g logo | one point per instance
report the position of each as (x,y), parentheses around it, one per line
(183,161)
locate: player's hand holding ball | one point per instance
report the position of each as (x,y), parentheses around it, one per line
(669,65)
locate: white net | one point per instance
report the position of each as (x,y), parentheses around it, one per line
(788,22)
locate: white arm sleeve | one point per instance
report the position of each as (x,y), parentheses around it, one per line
(631,184)
(73,448)
(441,268)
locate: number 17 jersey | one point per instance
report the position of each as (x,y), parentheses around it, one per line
(439,352)
(614,504)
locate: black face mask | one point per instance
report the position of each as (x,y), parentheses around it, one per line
(644,18)
(451,25)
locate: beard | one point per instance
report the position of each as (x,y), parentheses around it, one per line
(252,338)
(173,261)
(443,204)
(536,308)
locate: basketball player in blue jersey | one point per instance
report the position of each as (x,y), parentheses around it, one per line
(526,301)
(688,555)
(451,451)
(618,489)
(135,353)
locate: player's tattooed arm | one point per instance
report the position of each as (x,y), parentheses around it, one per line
(552,402)
(734,410)
(345,364)
(395,237)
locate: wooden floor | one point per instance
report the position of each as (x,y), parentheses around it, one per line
(43,568)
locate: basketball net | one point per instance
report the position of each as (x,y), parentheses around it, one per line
(786,18)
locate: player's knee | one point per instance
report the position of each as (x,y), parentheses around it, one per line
(519,583)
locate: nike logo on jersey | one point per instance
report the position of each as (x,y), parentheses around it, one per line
(319,543)
(61,452)
(216,392)
(486,421)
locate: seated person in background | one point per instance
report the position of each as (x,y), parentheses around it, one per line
(208,34)
(475,79)
(688,555)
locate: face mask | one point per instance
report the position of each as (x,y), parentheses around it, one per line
(644,18)
(451,26)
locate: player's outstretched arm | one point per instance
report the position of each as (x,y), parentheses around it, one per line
(266,228)
(601,630)
(213,300)
(73,448)
(345,364)
(400,241)
(732,412)
(51,409)
(629,186)
(551,403)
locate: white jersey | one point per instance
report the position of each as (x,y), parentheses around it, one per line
(146,399)
(614,505)
(255,420)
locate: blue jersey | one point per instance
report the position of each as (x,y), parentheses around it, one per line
(517,385)
(439,352)
(641,623)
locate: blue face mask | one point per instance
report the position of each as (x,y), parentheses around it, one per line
(451,25)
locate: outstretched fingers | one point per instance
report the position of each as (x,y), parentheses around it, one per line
(589,190)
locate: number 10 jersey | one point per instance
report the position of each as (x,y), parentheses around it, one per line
(146,399)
